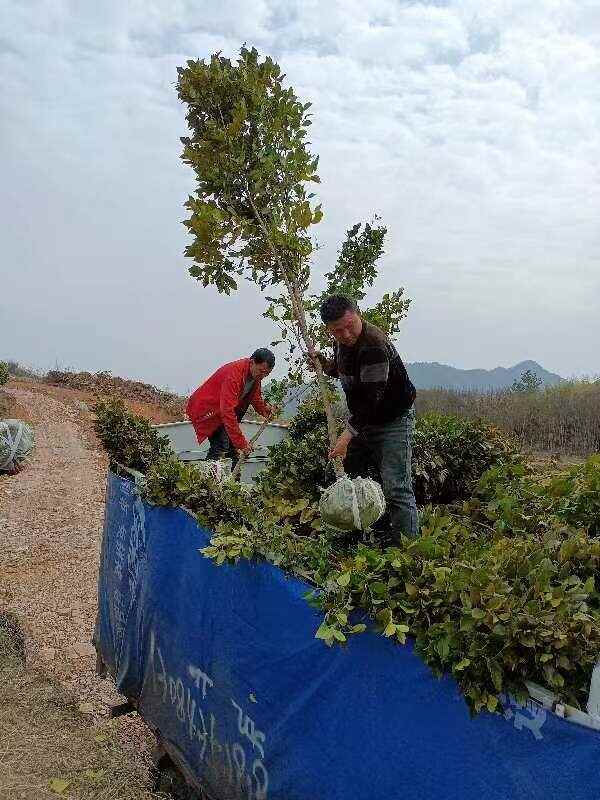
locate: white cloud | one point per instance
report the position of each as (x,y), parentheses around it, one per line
(472,128)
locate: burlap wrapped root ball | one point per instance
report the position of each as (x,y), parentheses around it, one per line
(352,504)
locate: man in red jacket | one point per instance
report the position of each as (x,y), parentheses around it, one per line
(216,408)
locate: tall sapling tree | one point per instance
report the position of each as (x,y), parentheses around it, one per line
(252,211)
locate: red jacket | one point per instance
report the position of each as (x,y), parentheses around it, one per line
(217,402)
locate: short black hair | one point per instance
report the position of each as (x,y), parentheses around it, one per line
(263,356)
(335,306)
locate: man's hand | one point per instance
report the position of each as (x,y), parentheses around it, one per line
(340,448)
(245,451)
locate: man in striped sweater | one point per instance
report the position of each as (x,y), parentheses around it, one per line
(380,398)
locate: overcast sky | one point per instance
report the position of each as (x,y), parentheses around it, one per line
(472,128)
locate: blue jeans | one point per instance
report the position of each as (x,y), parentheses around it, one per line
(385,452)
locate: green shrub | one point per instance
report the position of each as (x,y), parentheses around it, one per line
(514,497)
(129,440)
(497,595)
(492,612)
(4,373)
(170,482)
(298,466)
(449,456)
(245,523)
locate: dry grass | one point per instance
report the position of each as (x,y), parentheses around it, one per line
(76,397)
(137,393)
(12,642)
(50,749)
(562,419)
(156,405)
(10,408)
(21,371)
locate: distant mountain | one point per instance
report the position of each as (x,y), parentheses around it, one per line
(431,375)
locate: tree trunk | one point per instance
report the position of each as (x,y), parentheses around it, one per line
(300,317)
(237,469)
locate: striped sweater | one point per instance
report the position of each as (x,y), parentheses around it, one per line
(374,379)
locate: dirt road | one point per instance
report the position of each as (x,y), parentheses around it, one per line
(50,530)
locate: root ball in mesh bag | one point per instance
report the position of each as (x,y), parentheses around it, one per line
(352,504)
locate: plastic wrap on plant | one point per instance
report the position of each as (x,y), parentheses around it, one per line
(352,504)
(16,443)
(220,469)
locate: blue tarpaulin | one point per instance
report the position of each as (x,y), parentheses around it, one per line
(222,660)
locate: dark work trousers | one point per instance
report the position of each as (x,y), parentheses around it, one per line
(384,452)
(220,443)
(221,447)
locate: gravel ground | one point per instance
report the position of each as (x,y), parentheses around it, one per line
(50,528)
(51,518)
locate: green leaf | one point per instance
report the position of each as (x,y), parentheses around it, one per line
(492,703)
(379,588)
(58,785)
(94,776)
(324,632)
(443,648)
